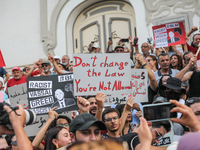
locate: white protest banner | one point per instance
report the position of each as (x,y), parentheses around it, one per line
(18,95)
(107,73)
(139,89)
(139,85)
(33,129)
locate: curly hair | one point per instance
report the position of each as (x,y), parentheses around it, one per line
(180,64)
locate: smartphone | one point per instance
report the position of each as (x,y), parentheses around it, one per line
(110,39)
(159,112)
(135,41)
(125,40)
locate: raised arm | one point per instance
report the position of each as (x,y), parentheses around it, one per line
(83,105)
(182,75)
(38,138)
(100,97)
(52,60)
(177,52)
(32,69)
(17,122)
(193,29)
(108,48)
(7,77)
(152,78)
(127,109)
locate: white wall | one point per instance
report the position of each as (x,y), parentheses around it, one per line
(20,32)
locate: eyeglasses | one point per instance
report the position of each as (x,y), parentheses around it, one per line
(110,119)
(120,50)
(61,125)
(14,143)
(149,60)
(46,65)
(144,46)
(158,135)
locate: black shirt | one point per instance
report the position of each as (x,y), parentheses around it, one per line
(132,139)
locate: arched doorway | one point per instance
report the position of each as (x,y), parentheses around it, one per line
(100,21)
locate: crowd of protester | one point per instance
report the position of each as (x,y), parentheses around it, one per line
(174,76)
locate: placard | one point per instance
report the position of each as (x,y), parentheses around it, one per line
(46,92)
(106,73)
(18,95)
(139,89)
(169,34)
(33,129)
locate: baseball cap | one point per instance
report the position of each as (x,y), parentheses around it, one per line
(57,57)
(119,46)
(84,121)
(16,68)
(174,83)
(95,45)
(46,62)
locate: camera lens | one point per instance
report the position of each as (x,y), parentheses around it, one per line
(30,116)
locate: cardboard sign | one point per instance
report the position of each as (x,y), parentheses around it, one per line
(139,89)
(169,34)
(33,129)
(18,95)
(107,73)
(46,92)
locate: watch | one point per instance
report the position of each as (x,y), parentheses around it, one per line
(144,65)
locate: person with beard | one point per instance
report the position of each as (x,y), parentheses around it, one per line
(46,66)
(164,62)
(93,104)
(65,62)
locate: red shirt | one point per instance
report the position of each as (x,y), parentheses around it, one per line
(12,82)
(35,73)
(194,50)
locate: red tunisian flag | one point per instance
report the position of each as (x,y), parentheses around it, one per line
(2,63)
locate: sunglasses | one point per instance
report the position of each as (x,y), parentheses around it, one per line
(45,65)
(149,60)
(14,143)
(158,135)
(61,125)
(121,50)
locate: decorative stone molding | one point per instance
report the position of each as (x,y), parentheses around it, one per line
(164,8)
(48,37)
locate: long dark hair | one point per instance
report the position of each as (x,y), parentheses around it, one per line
(52,134)
(180,63)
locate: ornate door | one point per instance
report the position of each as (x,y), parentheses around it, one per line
(103,20)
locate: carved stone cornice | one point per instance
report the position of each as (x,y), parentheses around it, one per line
(164,8)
